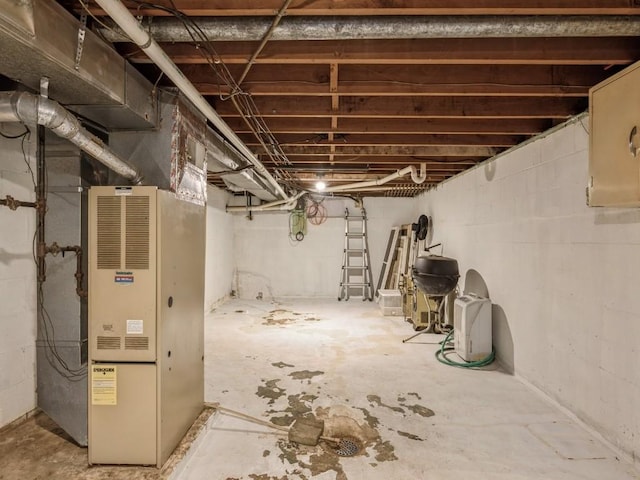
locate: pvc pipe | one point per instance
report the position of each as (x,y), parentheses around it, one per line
(34,109)
(166,29)
(119,13)
(371,185)
(381,181)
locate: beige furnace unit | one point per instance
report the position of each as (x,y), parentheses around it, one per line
(146,323)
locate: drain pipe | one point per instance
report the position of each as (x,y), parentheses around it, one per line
(418,179)
(34,109)
(123,18)
(350,187)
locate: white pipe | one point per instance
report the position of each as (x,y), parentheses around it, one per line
(381,181)
(119,13)
(34,109)
(370,185)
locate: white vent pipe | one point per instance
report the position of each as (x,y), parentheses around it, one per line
(119,13)
(34,109)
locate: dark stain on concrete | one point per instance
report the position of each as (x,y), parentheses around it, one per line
(420,410)
(414,394)
(372,421)
(305,374)
(266,453)
(299,406)
(283,421)
(401,399)
(270,390)
(324,462)
(264,476)
(385,452)
(282,365)
(289,453)
(410,436)
(375,399)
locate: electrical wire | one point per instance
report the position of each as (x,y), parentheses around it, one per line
(316,212)
(13,137)
(447,346)
(242,100)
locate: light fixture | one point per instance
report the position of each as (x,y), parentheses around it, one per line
(320,185)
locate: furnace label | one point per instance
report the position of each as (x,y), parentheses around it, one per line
(104,385)
(135,327)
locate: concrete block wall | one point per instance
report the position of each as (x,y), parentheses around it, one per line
(219,263)
(17,279)
(267,261)
(563,277)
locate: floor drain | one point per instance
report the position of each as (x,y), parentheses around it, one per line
(348,447)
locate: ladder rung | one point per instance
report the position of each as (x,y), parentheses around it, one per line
(355,235)
(356,284)
(353,267)
(354,250)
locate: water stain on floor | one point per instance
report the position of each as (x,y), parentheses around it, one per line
(410,436)
(376,400)
(282,365)
(420,410)
(270,390)
(305,374)
(281,317)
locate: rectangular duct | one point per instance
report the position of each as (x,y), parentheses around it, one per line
(40,38)
(177,155)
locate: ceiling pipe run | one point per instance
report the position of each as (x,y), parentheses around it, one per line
(418,179)
(139,35)
(167,29)
(29,108)
(370,185)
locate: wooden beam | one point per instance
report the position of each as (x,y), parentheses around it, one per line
(429,51)
(408,80)
(386,150)
(395,139)
(413,107)
(499,126)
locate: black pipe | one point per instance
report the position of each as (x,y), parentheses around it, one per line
(13,204)
(41,200)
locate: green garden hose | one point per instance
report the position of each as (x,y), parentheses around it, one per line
(447,346)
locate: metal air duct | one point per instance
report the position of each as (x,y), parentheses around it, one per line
(33,109)
(165,29)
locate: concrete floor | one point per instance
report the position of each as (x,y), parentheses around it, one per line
(345,363)
(342,362)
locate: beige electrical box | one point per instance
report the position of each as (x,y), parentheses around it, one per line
(614,141)
(146,323)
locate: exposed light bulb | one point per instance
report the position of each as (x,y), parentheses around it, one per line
(320,185)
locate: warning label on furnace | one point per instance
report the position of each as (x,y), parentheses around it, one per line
(104,385)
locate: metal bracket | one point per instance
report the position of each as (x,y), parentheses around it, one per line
(81,34)
(44,87)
